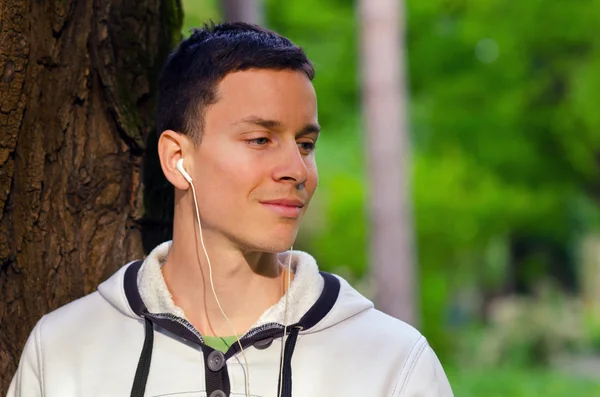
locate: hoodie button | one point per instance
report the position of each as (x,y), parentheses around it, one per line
(263,344)
(216,361)
(218,393)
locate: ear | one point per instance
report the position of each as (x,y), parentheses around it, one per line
(171,147)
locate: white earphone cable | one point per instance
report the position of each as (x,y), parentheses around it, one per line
(215,293)
(285,321)
(283,341)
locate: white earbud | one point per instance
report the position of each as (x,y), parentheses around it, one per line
(182,170)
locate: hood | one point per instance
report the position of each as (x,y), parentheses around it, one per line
(317,300)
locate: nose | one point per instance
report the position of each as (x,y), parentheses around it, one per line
(291,167)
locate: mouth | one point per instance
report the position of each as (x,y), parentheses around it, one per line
(288,208)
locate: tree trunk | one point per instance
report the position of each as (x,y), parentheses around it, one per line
(243,11)
(384,98)
(77,96)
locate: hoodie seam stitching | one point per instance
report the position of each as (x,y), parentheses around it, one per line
(419,346)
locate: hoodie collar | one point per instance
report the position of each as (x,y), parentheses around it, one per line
(338,300)
(306,287)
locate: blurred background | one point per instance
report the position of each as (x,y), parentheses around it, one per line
(503,117)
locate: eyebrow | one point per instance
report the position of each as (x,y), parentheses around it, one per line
(276,124)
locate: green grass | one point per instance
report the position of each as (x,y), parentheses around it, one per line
(520,383)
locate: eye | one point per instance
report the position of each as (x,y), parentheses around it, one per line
(307,146)
(259,141)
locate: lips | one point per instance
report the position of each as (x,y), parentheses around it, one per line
(289,208)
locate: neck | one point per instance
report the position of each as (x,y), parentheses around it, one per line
(246,284)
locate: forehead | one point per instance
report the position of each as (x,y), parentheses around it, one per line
(284,95)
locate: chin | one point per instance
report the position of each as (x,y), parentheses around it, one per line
(271,241)
(265,235)
(275,245)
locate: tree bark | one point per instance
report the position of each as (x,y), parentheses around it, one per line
(77,96)
(388,154)
(249,11)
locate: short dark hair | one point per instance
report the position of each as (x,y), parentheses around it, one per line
(189,77)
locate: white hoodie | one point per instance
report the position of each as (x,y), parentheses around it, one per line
(129,338)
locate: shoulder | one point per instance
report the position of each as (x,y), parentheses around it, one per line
(388,335)
(77,322)
(356,316)
(409,364)
(75,312)
(93,312)
(67,337)
(418,369)
(382,323)
(55,336)
(422,375)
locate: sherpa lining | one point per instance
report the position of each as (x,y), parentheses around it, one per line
(305,289)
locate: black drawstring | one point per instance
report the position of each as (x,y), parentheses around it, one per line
(288,351)
(143,368)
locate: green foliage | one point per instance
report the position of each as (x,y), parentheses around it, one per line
(505,129)
(526,114)
(518,382)
(199,12)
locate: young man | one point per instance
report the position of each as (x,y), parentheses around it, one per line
(226,308)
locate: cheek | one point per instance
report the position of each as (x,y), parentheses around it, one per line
(313,178)
(225,161)
(235,178)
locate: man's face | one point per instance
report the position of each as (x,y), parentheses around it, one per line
(257,148)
